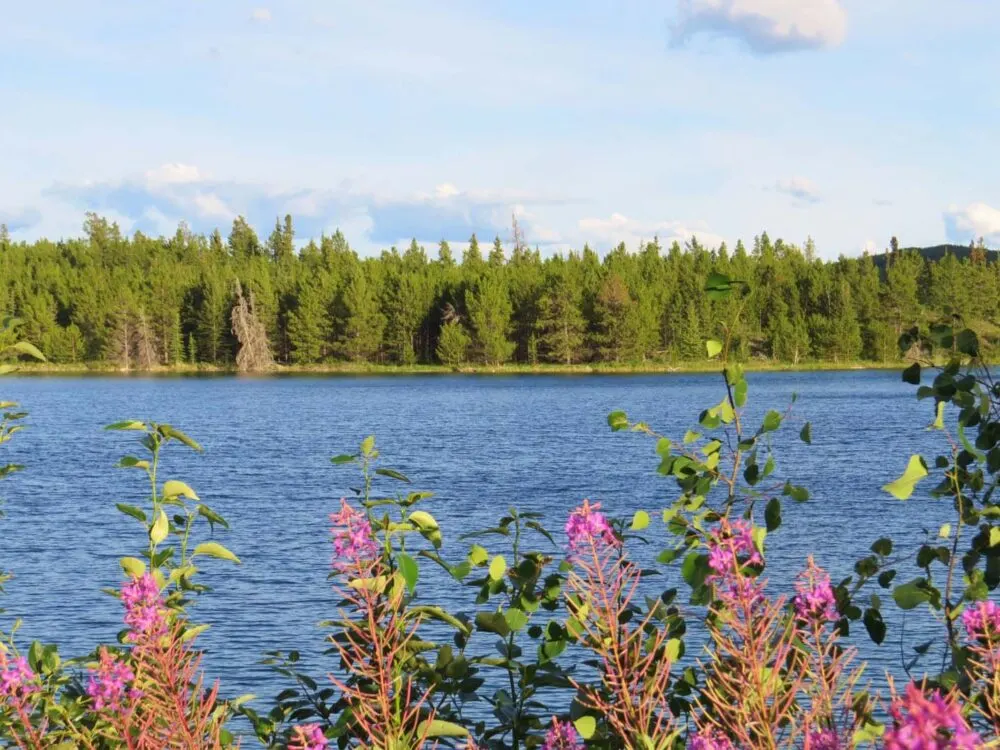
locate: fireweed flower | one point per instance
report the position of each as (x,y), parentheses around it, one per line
(353,540)
(814,600)
(308,737)
(562,736)
(825,739)
(710,739)
(731,547)
(585,525)
(17,680)
(107,685)
(982,620)
(145,612)
(933,723)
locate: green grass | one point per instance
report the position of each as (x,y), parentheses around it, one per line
(350,368)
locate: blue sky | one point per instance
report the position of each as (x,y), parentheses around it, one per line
(600,122)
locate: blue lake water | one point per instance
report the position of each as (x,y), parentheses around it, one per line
(479,443)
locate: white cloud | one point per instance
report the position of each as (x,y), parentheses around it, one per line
(620,228)
(971,222)
(211,205)
(260,15)
(799,188)
(870,246)
(766,26)
(173,174)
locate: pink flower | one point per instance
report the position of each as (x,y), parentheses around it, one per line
(729,549)
(732,547)
(982,620)
(308,737)
(353,540)
(145,612)
(562,736)
(825,739)
(814,601)
(710,739)
(587,526)
(108,684)
(17,680)
(923,723)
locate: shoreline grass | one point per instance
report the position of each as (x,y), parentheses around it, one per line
(367,369)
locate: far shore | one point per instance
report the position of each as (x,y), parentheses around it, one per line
(351,368)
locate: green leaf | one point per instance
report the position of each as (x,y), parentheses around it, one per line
(25,347)
(214,549)
(497,568)
(131,510)
(172,432)
(492,622)
(133,566)
(910,595)
(478,555)
(938,423)
(740,393)
(718,287)
(343,458)
(713,347)
(409,569)
(772,421)
(903,487)
(758,534)
(806,434)
(516,618)
(617,420)
(423,520)
(994,536)
(945,531)
(672,650)
(874,625)
(130,424)
(690,436)
(967,342)
(772,514)
(392,474)
(586,726)
(175,488)
(439,728)
(640,520)
(911,374)
(193,632)
(160,528)
(368,445)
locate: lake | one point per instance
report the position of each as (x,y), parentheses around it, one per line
(480,443)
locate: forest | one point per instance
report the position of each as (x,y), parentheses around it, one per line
(142,303)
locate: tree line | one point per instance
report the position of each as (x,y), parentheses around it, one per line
(141,302)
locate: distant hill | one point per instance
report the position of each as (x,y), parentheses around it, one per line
(937,252)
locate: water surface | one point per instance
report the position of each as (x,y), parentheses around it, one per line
(481,443)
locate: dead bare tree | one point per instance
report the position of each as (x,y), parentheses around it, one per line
(518,239)
(132,342)
(255,350)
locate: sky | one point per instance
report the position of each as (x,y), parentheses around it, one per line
(847,121)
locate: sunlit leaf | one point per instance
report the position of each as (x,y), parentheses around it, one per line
(409,569)
(640,520)
(903,487)
(586,726)
(214,549)
(713,347)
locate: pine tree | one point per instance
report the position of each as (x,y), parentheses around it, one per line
(453,343)
(497,258)
(490,314)
(560,325)
(363,323)
(617,322)
(308,325)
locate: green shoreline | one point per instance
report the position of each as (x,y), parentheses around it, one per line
(344,368)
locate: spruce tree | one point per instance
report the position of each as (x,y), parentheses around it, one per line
(490,314)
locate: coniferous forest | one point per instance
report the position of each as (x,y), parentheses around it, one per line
(141,302)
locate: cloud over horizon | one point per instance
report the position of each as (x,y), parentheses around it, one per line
(971,222)
(765,26)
